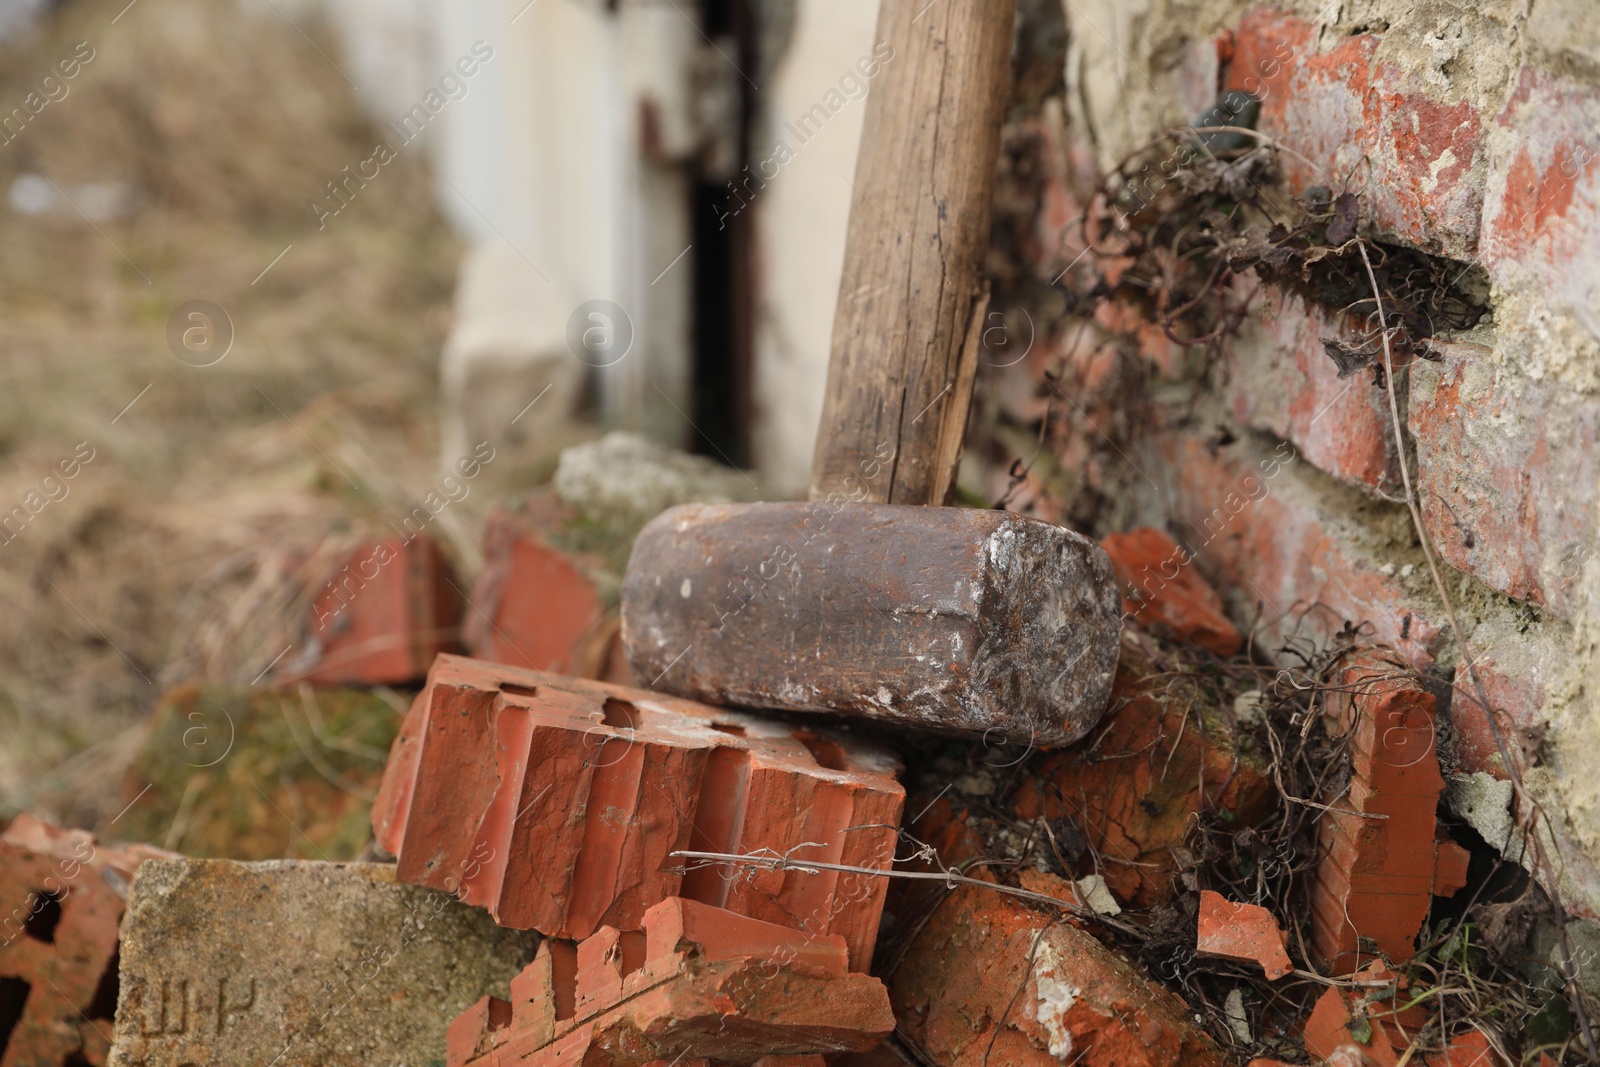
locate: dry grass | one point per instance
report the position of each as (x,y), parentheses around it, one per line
(165,559)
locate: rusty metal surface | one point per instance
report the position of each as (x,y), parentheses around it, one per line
(952,619)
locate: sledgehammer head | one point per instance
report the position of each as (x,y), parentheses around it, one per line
(950,619)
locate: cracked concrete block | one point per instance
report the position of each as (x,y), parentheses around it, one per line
(624,477)
(294,962)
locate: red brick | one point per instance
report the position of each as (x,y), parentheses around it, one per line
(1542,220)
(1508,471)
(1382,1040)
(1164,355)
(1515,661)
(1350,113)
(1471,1049)
(556,803)
(382,617)
(538,606)
(1245,932)
(63,950)
(1375,880)
(1133,792)
(1270,533)
(1181,605)
(885,1055)
(704,984)
(1450,863)
(1033,990)
(1281,380)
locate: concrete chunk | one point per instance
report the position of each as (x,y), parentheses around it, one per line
(294,962)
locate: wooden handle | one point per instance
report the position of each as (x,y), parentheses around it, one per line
(905,334)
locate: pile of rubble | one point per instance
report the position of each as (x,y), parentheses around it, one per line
(1176,856)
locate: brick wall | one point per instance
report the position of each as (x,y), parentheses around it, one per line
(1471,132)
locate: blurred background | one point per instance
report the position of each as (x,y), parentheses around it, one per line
(272,269)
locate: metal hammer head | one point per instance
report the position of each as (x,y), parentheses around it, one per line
(950,619)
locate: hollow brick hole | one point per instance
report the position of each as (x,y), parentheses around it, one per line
(45,917)
(620,714)
(631,945)
(104,1004)
(829,754)
(13,997)
(718,818)
(564,977)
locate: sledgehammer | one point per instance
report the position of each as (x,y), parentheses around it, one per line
(952,619)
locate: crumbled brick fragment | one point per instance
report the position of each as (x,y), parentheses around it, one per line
(1242,932)
(1033,990)
(556,803)
(1471,1049)
(382,617)
(1135,789)
(539,606)
(62,896)
(1375,881)
(1162,592)
(228,963)
(1363,1017)
(1450,863)
(701,983)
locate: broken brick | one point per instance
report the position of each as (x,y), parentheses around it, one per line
(1450,863)
(556,803)
(1135,788)
(698,983)
(1366,1017)
(383,616)
(1033,990)
(298,962)
(1470,1049)
(1179,604)
(63,895)
(1375,881)
(1246,932)
(539,606)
